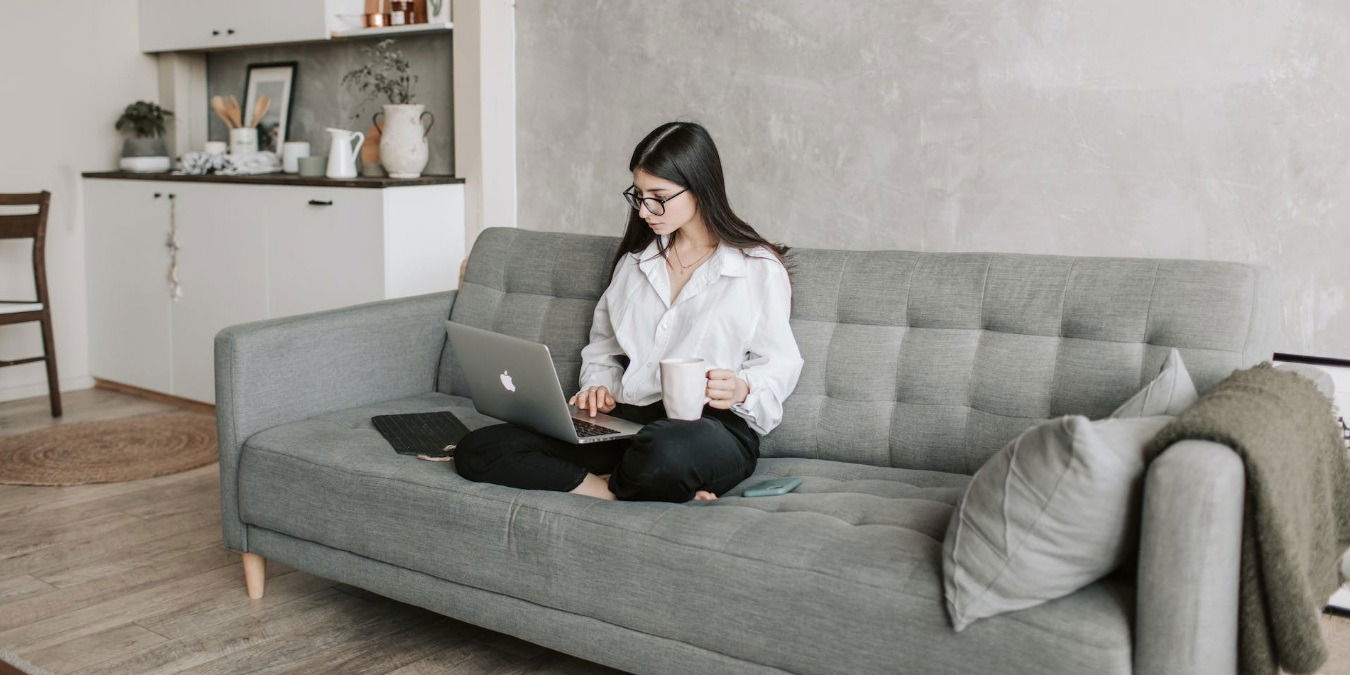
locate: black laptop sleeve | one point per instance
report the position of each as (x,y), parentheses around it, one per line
(429,435)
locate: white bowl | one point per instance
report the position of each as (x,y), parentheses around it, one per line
(146,164)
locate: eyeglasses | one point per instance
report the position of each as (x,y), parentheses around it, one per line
(656,206)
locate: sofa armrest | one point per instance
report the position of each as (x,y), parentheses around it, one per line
(287,369)
(1186,619)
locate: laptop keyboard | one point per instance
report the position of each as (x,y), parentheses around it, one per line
(587,430)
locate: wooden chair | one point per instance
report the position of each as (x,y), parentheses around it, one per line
(32,226)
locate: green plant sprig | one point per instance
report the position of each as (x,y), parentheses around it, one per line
(385,75)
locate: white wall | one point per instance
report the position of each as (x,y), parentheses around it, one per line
(68,67)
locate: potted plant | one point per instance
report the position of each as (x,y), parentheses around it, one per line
(144,121)
(403,140)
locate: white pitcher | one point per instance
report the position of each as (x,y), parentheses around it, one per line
(342,152)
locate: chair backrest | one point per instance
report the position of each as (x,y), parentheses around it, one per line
(24,225)
(28,226)
(918,360)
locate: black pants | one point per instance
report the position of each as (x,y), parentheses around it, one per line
(668,460)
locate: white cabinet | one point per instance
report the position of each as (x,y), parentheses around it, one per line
(169,25)
(222,273)
(127,271)
(322,252)
(332,247)
(248,252)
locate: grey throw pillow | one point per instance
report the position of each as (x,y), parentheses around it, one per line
(1049,513)
(1168,394)
(1045,516)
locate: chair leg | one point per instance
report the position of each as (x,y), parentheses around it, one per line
(49,352)
(255,569)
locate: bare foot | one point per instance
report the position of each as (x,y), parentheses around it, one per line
(704,495)
(595,486)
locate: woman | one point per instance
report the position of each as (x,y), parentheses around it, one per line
(690,278)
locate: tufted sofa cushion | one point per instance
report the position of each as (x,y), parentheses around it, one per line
(916,360)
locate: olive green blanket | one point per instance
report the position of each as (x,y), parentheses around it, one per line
(1296,514)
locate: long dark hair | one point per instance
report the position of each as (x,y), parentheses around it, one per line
(683,153)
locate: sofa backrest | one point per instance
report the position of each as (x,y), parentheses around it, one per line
(917,360)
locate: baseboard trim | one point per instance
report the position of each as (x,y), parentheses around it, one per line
(39,388)
(186,403)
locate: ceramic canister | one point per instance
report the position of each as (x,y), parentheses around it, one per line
(312,166)
(291,152)
(243,140)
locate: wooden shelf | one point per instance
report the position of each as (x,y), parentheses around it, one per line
(385,31)
(280,179)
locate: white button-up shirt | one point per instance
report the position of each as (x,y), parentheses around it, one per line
(732,313)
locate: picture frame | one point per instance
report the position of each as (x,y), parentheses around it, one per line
(1339,371)
(277,80)
(437,11)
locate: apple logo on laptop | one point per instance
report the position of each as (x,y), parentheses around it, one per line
(506,381)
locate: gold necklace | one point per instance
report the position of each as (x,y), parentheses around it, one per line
(685,268)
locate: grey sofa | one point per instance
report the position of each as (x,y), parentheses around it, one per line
(918,367)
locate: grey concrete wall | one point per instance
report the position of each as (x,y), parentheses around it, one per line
(321,101)
(1207,129)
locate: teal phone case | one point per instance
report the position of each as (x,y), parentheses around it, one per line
(773,486)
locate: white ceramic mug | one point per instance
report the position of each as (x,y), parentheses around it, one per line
(243,141)
(216,147)
(291,152)
(684,385)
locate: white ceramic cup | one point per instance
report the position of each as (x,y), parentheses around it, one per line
(684,385)
(216,147)
(291,152)
(243,140)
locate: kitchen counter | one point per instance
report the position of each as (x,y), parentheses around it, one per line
(279,179)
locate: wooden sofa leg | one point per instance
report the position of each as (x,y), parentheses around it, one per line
(255,570)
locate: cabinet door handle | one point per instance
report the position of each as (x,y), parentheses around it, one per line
(157,195)
(230,31)
(320,202)
(215,32)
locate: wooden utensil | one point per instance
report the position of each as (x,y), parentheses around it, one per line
(370,150)
(260,108)
(222,111)
(234,112)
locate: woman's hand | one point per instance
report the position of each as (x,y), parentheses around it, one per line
(725,389)
(593,398)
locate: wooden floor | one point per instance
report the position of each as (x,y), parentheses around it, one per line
(132,578)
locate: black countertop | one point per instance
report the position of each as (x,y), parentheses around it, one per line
(279,179)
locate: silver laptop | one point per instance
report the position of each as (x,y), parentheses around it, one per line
(513,380)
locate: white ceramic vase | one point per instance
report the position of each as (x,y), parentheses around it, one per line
(403,139)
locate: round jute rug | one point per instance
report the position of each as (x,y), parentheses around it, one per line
(109,451)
